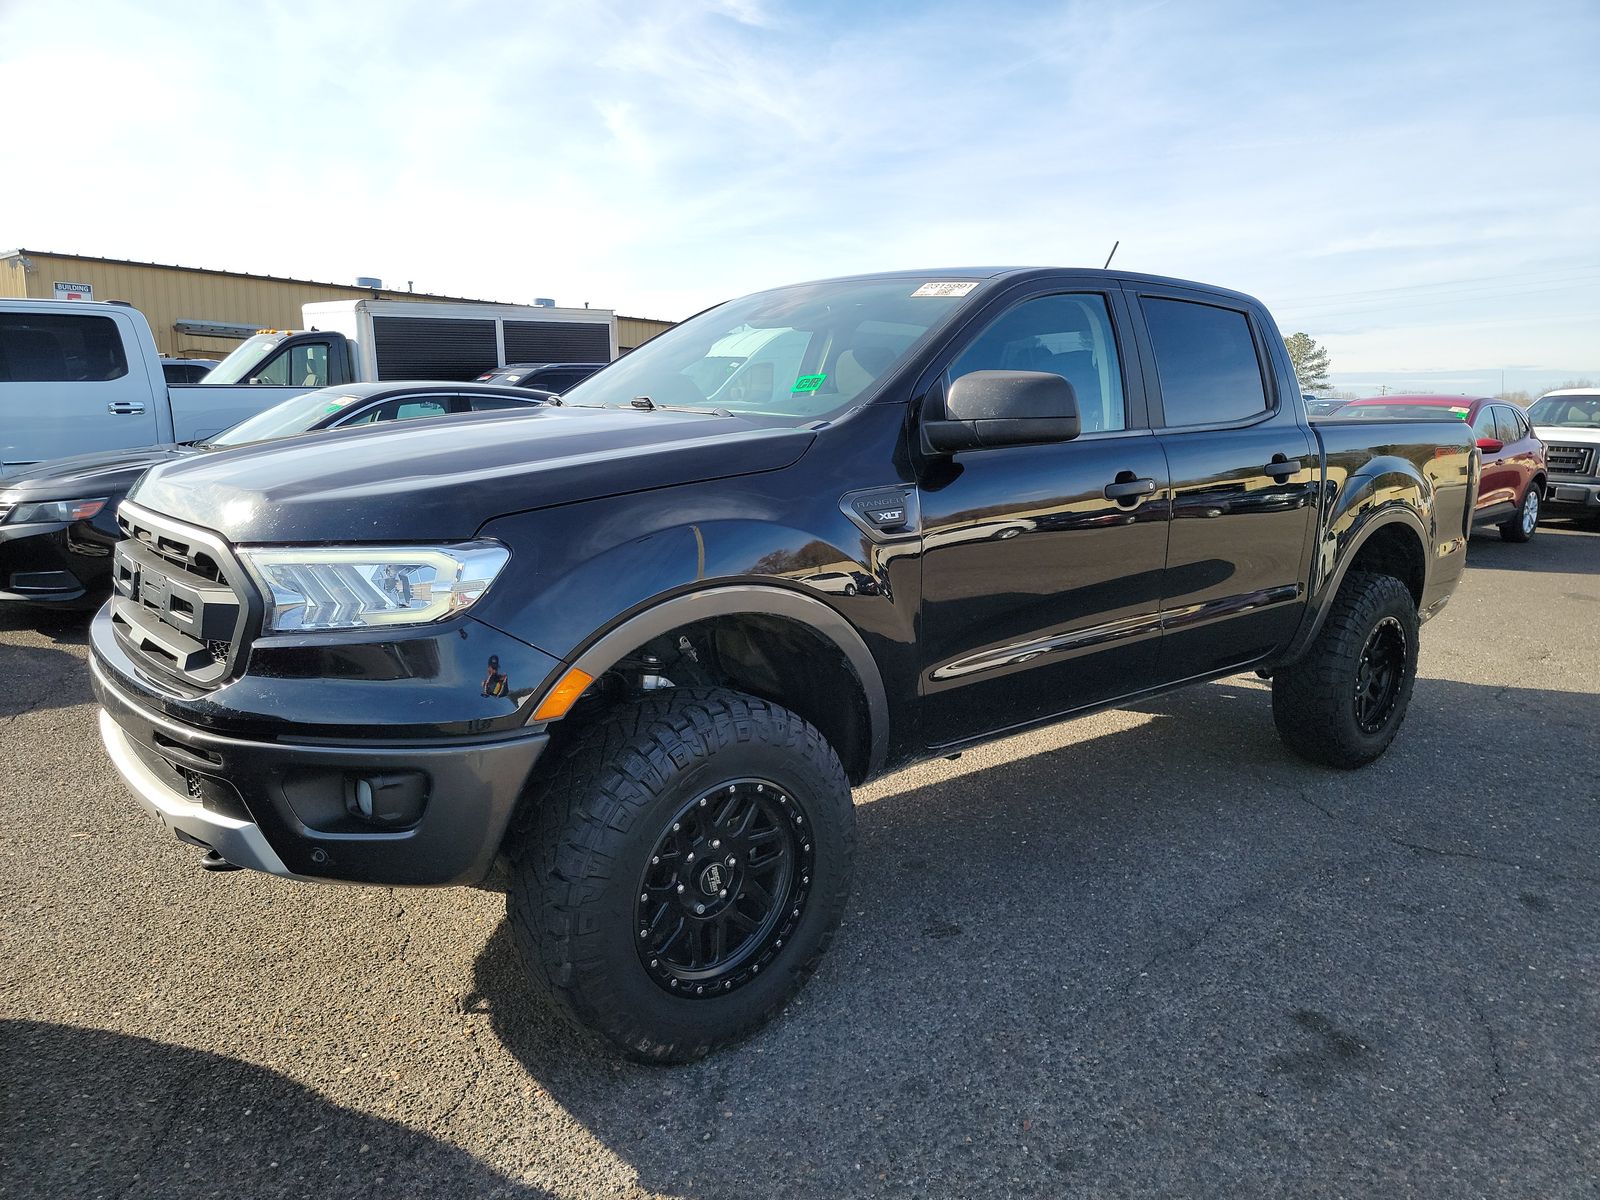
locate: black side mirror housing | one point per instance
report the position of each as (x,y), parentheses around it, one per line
(988,409)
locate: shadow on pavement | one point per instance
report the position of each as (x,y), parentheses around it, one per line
(1171,959)
(91,1113)
(1563,546)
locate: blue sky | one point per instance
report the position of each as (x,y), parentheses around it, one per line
(1416,185)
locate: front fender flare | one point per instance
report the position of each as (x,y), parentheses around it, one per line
(608,648)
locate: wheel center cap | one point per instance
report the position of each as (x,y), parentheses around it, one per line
(713,879)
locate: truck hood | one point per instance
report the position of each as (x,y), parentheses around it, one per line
(85,475)
(1567,435)
(440,480)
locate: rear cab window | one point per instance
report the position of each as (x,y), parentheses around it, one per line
(1207,367)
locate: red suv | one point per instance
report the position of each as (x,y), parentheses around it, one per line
(1511,484)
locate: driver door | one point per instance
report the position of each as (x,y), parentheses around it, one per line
(1041,591)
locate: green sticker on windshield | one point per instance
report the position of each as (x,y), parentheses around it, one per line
(1461,413)
(807,383)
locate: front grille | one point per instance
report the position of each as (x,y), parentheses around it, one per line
(1570,460)
(176,610)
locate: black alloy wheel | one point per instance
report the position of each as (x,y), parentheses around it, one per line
(1379,675)
(726,883)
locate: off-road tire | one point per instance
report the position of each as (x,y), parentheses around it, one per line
(577,859)
(1312,703)
(1516,528)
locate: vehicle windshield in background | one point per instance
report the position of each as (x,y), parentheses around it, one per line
(246,355)
(1414,412)
(1571,412)
(295,415)
(794,355)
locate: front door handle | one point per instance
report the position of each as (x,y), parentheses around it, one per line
(1280,468)
(1129,489)
(125,408)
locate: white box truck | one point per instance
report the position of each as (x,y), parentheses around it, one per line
(362,341)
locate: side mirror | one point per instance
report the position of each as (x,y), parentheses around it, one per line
(1491,445)
(988,409)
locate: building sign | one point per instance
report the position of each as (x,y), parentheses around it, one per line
(74,291)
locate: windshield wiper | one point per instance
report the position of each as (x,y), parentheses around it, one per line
(645,404)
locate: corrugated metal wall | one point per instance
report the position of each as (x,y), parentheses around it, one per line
(167,294)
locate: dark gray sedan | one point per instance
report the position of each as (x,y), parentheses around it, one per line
(58,521)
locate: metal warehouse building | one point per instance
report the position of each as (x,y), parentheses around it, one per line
(199,313)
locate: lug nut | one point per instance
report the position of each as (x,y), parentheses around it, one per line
(644,897)
(699,910)
(644,933)
(691,857)
(723,894)
(680,889)
(655,860)
(732,861)
(702,801)
(716,843)
(675,827)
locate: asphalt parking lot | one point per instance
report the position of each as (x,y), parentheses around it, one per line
(1143,953)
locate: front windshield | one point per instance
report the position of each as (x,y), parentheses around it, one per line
(794,355)
(1569,412)
(295,415)
(244,357)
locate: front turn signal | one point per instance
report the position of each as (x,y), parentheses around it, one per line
(563,696)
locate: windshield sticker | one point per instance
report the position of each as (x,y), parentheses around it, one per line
(807,383)
(1461,413)
(944,289)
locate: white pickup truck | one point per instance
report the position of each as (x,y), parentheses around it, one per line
(79,376)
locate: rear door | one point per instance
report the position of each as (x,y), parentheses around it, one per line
(72,383)
(1042,565)
(1524,452)
(1497,481)
(1244,480)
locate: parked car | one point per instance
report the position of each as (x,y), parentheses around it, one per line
(1568,421)
(1323,408)
(81,375)
(554,377)
(186,370)
(659,751)
(1511,481)
(58,519)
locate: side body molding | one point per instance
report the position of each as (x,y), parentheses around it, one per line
(755,599)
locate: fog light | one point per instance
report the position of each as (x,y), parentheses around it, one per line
(392,799)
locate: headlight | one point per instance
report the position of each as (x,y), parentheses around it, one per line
(56,510)
(350,587)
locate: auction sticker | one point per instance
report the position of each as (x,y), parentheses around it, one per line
(945,289)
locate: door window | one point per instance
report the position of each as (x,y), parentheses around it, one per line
(401,410)
(1483,426)
(1206,361)
(60,348)
(1509,424)
(1066,335)
(308,364)
(496,404)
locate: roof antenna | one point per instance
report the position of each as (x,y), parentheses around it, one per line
(1113,253)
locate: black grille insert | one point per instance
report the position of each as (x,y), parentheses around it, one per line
(174,610)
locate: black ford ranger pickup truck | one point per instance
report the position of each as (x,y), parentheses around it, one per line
(626,657)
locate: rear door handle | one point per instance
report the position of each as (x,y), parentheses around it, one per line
(1129,489)
(125,408)
(1280,468)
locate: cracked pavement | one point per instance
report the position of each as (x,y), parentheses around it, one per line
(1142,953)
